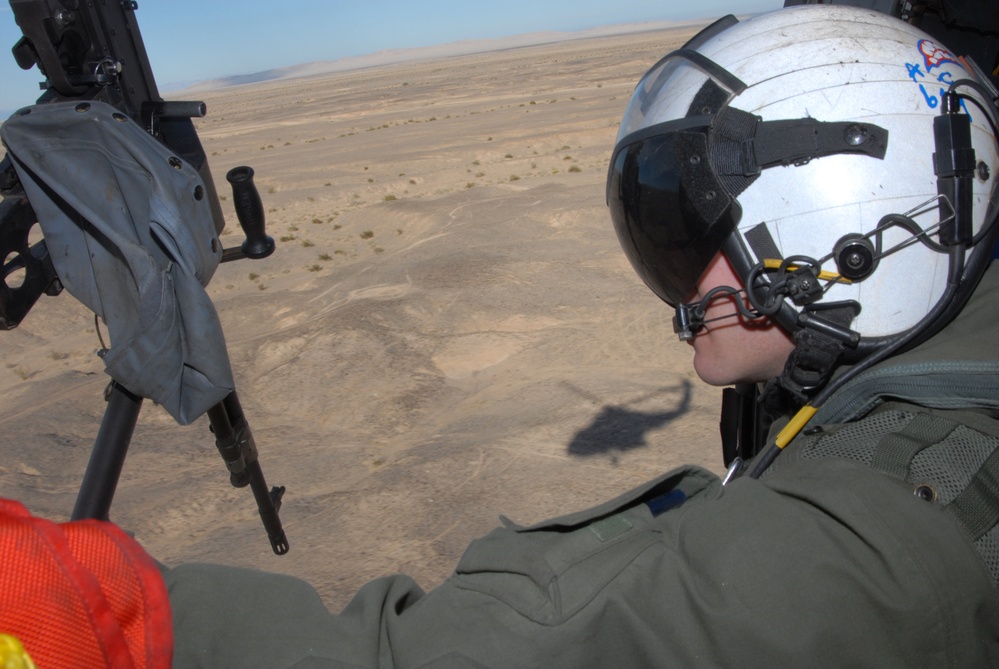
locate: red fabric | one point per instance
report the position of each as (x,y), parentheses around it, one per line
(81,594)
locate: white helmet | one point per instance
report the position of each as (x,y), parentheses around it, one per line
(802,144)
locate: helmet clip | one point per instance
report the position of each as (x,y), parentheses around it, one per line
(803,286)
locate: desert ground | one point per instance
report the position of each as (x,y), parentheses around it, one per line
(448,330)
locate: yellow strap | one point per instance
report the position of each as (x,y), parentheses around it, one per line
(792,429)
(825,276)
(13,655)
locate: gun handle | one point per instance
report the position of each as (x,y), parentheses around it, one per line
(250,212)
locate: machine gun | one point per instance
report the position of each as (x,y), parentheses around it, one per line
(99,84)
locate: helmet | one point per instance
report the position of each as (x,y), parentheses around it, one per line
(844,162)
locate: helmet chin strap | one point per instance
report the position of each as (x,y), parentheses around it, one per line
(816,353)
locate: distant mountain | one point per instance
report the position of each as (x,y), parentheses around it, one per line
(392,56)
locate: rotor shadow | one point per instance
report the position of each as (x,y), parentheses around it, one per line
(618,428)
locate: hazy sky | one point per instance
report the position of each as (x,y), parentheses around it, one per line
(193,40)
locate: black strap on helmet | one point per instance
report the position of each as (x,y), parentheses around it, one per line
(742,144)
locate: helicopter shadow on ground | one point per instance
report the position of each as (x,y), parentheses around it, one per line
(620,428)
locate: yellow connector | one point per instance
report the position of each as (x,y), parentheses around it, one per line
(13,655)
(825,276)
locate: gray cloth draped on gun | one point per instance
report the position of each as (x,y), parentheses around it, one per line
(129,229)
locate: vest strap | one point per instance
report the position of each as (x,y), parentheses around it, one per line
(977,507)
(896,450)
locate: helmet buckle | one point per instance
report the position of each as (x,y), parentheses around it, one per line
(803,286)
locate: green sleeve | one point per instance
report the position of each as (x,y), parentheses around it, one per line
(826,564)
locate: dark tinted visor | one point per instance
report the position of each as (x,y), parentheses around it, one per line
(669,210)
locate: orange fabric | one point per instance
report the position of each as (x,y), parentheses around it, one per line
(81,594)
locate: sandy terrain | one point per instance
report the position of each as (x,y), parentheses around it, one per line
(448,329)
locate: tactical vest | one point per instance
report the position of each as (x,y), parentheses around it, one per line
(929,417)
(950,458)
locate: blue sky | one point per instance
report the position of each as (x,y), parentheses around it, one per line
(193,40)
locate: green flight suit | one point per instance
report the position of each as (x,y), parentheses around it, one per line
(830,560)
